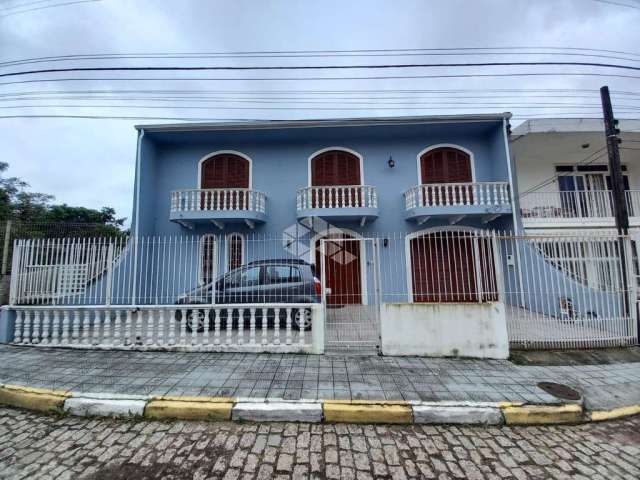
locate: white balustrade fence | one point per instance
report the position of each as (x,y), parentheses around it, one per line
(337,196)
(232,328)
(575,204)
(456,194)
(214,199)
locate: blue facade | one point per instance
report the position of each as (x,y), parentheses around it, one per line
(168,160)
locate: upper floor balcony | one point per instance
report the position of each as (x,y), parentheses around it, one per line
(338,202)
(563,208)
(218,206)
(487,200)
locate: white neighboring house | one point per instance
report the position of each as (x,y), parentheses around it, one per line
(563,176)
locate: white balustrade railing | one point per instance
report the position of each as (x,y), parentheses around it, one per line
(575,204)
(252,327)
(218,199)
(457,194)
(337,196)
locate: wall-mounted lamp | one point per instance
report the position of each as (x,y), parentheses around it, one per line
(385,242)
(391,162)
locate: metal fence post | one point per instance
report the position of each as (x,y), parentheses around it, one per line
(109,282)
(317,328)
(5,247)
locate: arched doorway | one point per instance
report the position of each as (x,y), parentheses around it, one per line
(335,167)
(342,268)
(225,172)
(450,266)
(445,165)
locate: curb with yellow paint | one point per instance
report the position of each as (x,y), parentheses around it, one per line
(39,399)
(601,415)
(359,411)
(330,411)
(542,414)
(190,408)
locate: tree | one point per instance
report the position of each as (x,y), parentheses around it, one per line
(37,214)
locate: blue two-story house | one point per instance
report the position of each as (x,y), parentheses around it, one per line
(365,177)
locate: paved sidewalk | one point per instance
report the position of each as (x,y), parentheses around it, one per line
(62,448)
(313,377)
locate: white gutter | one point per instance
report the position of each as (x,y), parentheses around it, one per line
(136,230)
(511,179)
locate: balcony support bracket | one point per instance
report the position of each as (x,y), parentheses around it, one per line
(423,220)
(363,220)
(184,224)
(250,223)
(455,219)
(489,218)
(218,224)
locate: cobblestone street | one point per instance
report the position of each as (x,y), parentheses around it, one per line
(40,446)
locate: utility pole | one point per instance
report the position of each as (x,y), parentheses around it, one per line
(617,183)
(620,209)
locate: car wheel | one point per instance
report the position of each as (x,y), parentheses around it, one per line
(195,319)
(302,319)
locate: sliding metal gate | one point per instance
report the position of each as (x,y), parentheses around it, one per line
(350,276)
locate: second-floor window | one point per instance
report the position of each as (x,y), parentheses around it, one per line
(337,170)
(225,170)
(585,190)
(445,165)
(225,176)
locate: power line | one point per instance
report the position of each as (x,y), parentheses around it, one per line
(619,4)
(318,67)
(334,53)
(356,55)
(75,2)
(209,119)
(322,92)
(469,106)
(262,79)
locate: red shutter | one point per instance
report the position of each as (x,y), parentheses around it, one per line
(445,165)
(225,170)
(336,167)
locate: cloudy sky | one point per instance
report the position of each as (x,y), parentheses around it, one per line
(90,162)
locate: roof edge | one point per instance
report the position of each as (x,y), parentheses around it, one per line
(332,122)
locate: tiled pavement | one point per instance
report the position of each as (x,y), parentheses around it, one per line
(63,448)
(312,376)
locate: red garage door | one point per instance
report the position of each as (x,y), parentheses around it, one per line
(452,267)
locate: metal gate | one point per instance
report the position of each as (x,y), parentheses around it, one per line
(350,276)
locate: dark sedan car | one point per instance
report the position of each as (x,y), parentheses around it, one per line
(263,281)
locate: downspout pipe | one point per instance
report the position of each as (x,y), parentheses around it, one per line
(515,207)
(136,227)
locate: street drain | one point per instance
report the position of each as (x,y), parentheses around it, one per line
(559,390)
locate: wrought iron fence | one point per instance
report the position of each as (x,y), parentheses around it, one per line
(558,291)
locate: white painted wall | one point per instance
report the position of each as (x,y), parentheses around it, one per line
(477,330)
(538,148)
(537,154)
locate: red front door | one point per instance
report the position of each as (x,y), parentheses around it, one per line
(342,270)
